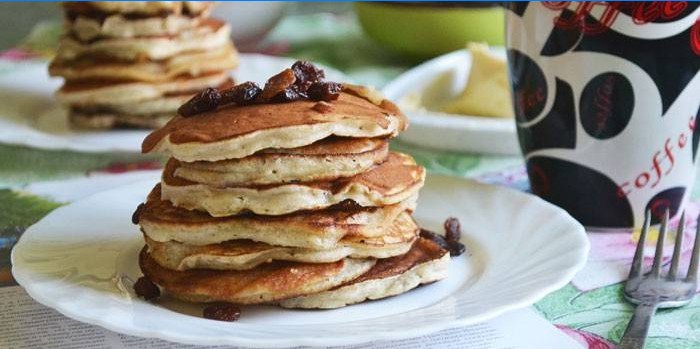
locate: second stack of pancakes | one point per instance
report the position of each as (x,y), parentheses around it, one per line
(294,200)
(132,64)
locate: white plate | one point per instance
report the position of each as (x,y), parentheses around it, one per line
(520,249)
(30,116)
(444,78)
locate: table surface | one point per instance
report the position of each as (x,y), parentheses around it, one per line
(591,307)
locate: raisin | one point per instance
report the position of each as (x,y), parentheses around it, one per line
(324,91)
(146,289)
(241,94)
(322,107)
(456,248)
(206,100)
(289,94)
(222,312)
(277,84)
(306,74)
(453,230)
(137,214)
(438,239)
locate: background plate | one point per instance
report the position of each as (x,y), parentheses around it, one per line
(519,249)
(29,115)
(445,78)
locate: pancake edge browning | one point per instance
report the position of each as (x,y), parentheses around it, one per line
(269,283)
(393,181)
(310,229)
(377,283)
(246,254)
(268,167)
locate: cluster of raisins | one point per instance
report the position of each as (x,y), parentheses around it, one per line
(302,81)
(450,241)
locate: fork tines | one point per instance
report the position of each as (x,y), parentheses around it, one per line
(637,263)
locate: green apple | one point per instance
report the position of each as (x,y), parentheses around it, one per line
(427,31)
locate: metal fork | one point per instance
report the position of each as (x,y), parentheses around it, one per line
(652,290)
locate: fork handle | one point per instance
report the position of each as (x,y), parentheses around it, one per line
(638,327)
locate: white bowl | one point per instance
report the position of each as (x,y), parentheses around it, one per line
(444,78)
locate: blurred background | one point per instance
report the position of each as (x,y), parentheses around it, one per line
(397,34)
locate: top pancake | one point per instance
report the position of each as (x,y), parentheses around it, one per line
(232,132)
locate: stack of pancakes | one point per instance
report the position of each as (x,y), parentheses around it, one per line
(132,64)
(299,204)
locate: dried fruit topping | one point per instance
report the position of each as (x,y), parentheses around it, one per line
(137,213)
(322,107)
(146,289)
(277,84)
(306,74)
(453,230)
(222,312)
(290,94)
(241,94)
(324,91)
(438,239)
(206,100)
(456,248)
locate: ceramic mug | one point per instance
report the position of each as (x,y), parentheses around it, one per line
(606,99)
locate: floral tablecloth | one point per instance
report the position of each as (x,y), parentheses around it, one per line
(591,308)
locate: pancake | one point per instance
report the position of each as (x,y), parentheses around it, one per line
(247,254)
(267,283)
(324,160)
(85,28)
(210,35)
(164,105)
(146,8)
(390,182)
(190,64)
(105,120)
(426,262)
(113,93)
(232,132)
(163,222)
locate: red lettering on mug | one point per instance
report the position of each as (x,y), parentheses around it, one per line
(682,140)
(695,37)
(642,180)
(642,12)
(662,162)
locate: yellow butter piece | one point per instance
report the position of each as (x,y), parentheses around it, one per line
(487,92)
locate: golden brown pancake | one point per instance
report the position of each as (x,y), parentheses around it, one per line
(267,283)
(187,64)
(143,8)
(163,222)
(388,183)
(426,262)
(152,113)
(106,120)
(231,131)
(246,254)
(327,159)
(209,35)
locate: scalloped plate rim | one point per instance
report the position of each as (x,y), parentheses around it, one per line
(312,338)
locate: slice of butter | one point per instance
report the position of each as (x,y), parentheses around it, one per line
(487,92)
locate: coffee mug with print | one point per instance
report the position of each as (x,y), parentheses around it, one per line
(606,99)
